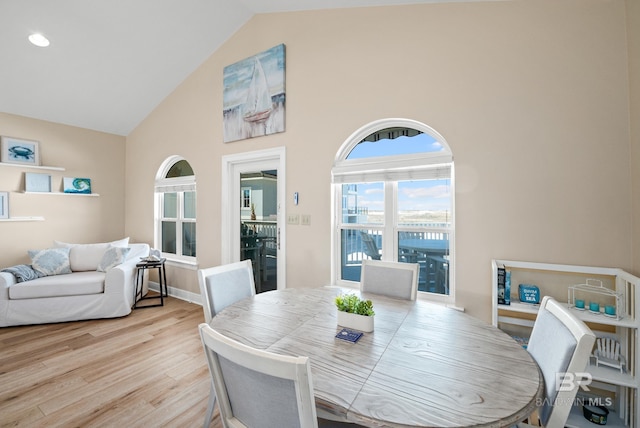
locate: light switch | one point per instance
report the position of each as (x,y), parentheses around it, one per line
(305,219)
(293,219)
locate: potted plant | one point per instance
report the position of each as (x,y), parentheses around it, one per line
(354,312)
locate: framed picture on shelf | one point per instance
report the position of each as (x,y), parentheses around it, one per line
(4,204)
(17,150)
(34,182)
(76,185)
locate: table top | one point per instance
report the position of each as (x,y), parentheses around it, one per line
(424,365)
(151,263)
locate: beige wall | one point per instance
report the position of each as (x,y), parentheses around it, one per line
(532,97)
(536,99)
(633,31)
(82,153)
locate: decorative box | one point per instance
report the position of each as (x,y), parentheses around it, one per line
(529,293)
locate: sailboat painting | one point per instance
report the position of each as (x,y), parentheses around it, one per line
(254,96)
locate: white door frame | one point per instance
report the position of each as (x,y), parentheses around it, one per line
(232,167)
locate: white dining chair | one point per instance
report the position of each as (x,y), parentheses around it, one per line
(221,286)
(559,343)
(257,388)
(394,279)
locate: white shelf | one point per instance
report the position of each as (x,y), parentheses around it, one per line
(61,193)
(587,316)
(23,219)
(19,165)
(610,375)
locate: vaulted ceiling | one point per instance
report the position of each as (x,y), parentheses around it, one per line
(110,63)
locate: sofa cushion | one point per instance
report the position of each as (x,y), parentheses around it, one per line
(112,258)
(60,285)
(52,261)
(86,257)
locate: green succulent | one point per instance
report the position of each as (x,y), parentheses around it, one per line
(353,304)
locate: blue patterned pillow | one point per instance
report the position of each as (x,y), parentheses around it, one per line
(112,258)
(52,261)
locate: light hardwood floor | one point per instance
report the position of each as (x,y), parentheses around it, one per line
(144,370)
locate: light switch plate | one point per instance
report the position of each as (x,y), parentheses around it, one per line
(305,219)
(293,219)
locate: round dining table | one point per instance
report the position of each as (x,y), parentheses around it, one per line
(424,365)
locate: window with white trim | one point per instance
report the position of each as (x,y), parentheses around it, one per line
(393,200)
(175,202)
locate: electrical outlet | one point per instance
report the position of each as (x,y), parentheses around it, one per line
(305,219)
(293,219)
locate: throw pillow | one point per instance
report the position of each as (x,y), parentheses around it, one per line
(52,261)
(112,258)
(86,257)
(23,273)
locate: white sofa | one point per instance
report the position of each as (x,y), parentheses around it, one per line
(84,293)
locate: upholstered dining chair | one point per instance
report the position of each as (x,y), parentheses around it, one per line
(559,343)
(257,388)
(394,279)
(221,286)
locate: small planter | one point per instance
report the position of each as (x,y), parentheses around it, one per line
(362,323)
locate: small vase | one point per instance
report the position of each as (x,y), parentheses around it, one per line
(362,323)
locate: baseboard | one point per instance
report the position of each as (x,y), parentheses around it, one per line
(178,293)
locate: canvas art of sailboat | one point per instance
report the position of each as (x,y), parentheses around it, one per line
(254,96)
(258,106)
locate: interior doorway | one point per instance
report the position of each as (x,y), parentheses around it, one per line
(253,213)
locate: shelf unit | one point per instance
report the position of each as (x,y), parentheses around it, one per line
(39,167)
(61,193)
(23,219)
(18,165)
(554,280)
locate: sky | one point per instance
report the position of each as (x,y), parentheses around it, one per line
(419,195)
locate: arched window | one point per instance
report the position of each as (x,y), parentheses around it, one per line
(175,198)
(393,200)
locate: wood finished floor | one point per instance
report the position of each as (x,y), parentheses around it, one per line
(144,370)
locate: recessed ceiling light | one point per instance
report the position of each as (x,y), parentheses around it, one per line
(39,40)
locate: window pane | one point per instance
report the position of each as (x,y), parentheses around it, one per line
(169,237)
(357,245)
(395,141)
(180,169)
(363,203)
(189,204)
(246,198)
(189,239)
(424,203)
(431,251)
(170,205)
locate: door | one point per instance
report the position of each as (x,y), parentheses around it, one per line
(253,213)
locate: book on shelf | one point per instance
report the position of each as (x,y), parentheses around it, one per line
(504,286)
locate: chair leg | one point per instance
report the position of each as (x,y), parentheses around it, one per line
(210,407)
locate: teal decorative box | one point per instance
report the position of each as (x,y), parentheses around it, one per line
(529,293)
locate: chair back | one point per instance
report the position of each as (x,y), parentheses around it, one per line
(369,246)
(394,279)
(560,343)
(221,286)
(256,388)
